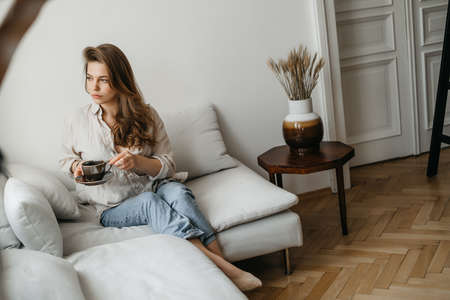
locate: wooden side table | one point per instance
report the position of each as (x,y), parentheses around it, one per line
(332,155)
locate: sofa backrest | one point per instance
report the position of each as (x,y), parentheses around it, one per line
(196,141)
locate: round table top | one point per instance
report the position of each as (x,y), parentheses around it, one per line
(280,160)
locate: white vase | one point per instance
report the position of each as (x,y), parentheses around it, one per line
(302,128)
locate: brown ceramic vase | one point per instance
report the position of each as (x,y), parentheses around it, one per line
(302,128)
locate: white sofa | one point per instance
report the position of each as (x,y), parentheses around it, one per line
(250,215)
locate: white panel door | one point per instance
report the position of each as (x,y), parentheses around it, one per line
(375,78)
(429,24)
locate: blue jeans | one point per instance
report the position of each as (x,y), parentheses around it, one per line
(171,210)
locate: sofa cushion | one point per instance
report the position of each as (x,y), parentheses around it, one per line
(196,140)
(239,195)
(61,200)
(87,232)
(266,235)
(154,267)
(259,237)
(28,274)
(32,218)
(7,237)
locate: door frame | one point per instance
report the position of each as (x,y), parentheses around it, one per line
(330,83)
(413,75)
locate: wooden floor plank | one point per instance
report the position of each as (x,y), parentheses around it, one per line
(423,261)
(438,209)
(290,292)
(334,260)
(352,284)
(433,225)
(424,213)
(384,220)
(368,227)
(407,294)
(440,258)
(376,297)
(429,283)
(389,271)
(368,281)
(338,284)
(354,253)
(306,288)
(446,211)
(409,216)
(407,266)
(425,292)
(321,287)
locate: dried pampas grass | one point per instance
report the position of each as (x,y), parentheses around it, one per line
(299,73)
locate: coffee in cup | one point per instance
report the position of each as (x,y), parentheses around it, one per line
(94,170)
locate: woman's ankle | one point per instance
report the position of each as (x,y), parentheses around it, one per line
(215,248)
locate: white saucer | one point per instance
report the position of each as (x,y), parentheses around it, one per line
(108,176)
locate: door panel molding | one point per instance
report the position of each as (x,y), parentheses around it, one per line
(378,80)
(432,20)
(411,37)
(369,35)
(352,5)
(431,65)
(429,21)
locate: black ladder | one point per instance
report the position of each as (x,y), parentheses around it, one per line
(437,137)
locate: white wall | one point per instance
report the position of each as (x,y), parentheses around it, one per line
(181,51)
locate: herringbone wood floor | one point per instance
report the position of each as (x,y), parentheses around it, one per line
(398,243)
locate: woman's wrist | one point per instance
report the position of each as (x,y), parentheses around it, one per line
(138,164)
(147,165)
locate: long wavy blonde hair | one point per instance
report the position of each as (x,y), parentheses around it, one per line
(135,125)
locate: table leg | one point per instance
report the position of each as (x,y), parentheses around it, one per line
(341,195)
(279,180)
(272,178)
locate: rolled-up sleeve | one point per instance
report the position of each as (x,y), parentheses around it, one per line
(162,149)
(68,152)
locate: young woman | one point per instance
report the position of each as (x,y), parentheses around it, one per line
(118,126)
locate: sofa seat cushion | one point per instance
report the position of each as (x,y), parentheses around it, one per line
(154,267)
(29,274)
(227,198)
(237,196)
(87,232)
(266,235)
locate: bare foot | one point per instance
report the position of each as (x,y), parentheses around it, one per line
(246,282)
(243,280)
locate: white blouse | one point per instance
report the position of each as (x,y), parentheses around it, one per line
(88,137)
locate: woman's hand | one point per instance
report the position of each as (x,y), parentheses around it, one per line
(125,160)
(78,170)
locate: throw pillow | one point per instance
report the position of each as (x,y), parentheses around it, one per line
(28,274)
(7,237)
(61,200)
(196,140)
(31,218)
